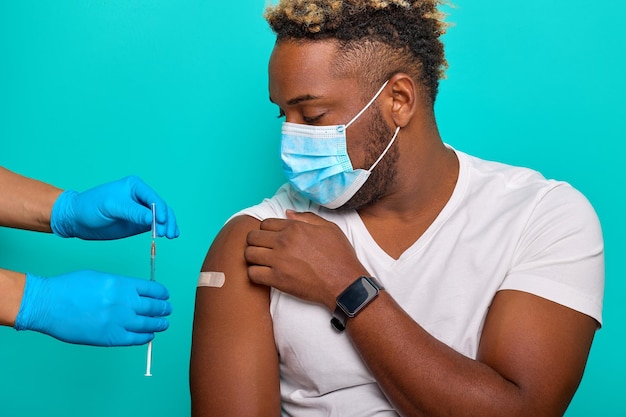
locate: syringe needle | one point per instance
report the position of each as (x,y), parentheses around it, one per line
(152,278)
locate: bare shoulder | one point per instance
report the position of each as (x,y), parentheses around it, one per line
(234,298)
(227,249)
(233,350)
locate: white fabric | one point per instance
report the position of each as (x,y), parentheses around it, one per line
(503,228)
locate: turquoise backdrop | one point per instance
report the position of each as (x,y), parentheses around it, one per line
(175,91)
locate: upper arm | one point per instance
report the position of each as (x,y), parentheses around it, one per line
(234,362)
(535,341)
(538,345)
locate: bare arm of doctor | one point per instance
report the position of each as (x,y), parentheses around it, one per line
(26,203)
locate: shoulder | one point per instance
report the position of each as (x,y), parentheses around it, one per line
(285,198)
(226,253)
(523,189)
(498,174)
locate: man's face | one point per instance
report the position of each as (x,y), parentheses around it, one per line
(302,84)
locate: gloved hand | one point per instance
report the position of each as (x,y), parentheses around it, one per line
(112,211)
(94,308)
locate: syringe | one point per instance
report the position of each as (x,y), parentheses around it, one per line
(152,278)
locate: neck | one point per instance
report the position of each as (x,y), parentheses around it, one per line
(426,177)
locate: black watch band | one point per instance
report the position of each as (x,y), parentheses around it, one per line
(354,299)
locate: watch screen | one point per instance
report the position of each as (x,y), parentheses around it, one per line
(357,294)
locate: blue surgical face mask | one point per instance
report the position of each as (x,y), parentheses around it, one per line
(316,162)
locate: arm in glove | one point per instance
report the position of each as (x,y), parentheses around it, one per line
(112,211)
(94,308)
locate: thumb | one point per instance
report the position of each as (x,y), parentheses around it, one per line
(306,217)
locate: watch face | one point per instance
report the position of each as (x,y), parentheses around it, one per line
(354,297)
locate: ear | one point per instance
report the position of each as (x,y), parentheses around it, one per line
(404,95)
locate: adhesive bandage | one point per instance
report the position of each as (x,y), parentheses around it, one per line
(211,279)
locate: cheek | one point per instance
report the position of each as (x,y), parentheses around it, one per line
(357,147)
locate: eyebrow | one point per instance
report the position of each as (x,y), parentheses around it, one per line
(299,99)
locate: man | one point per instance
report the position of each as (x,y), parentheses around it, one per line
(423,282)
(84,307)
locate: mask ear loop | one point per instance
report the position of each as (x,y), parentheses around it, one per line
(368,104)
(395,135)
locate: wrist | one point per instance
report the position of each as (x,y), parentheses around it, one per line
(62,214)
(31,304)
(11,291)
(354,299)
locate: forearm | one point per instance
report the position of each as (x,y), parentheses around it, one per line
(25,203)
(11,291)
(422,376)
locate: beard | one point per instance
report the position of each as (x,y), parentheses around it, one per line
(384,174)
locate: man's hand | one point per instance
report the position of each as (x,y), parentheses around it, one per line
(303,255)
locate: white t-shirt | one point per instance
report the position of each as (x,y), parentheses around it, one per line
(504,227)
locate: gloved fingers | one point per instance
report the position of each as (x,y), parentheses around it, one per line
(170,227)
(129,200)
(133,339)
(145,324)
(151,289)
(153,308)
(165,218)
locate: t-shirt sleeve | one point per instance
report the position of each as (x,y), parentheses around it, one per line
(286,198)
(560,255)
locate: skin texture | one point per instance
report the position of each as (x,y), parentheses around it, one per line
(532,352)
(25,203)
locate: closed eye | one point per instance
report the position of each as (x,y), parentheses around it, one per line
(311,120)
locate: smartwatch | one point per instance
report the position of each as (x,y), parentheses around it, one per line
(354,299)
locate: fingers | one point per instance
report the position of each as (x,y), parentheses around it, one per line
(153,307)
(151,289)
(273,233)
(139,328)
(134,339)
(273,224)
(144,324)
(260,238)
(306,217)
(168,227)
(258,255)
(145,196)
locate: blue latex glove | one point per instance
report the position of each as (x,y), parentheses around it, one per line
(112,211)
(94,308)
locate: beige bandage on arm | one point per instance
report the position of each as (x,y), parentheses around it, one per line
(211,279)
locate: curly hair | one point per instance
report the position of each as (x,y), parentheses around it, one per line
(376,38)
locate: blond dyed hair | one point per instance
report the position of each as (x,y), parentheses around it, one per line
(376,38)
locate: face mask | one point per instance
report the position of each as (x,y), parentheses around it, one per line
(316,162)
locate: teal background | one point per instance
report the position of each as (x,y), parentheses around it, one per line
(176,92)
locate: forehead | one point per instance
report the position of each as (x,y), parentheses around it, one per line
(303,68)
